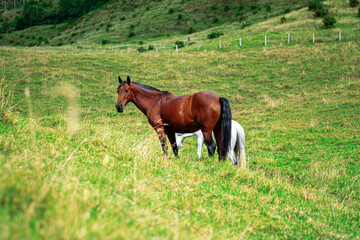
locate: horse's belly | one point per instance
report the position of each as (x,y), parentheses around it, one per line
(183,128)
(180,123)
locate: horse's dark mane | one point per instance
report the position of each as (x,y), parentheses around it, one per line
(147,87)
(144,86)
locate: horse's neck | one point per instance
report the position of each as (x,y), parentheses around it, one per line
(145,99)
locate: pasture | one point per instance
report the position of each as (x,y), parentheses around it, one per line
(72,167)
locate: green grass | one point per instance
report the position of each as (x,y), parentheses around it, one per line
(72,167)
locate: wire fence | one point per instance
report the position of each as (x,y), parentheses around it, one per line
(270,39)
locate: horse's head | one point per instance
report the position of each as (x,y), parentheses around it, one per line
(124,94)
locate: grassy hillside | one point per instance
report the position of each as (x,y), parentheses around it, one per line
(123,21)
(72,167)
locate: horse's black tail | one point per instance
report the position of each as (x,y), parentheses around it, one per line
(225,118)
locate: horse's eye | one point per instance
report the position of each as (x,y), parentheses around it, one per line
(126,90)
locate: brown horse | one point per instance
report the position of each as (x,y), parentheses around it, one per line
(168,114)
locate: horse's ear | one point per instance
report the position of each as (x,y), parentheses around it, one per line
(128,80)
(120,80)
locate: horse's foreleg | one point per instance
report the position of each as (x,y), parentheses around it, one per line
(162,137)
(200,141)
(179,140)
(172,139)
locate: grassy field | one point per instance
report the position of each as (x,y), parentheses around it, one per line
(72,167)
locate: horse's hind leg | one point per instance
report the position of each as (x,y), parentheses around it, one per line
(217,133)
(234,147)
(232,158)
(242,152)
(209,142)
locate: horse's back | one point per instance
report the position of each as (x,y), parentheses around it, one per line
(189,113)
(206,97)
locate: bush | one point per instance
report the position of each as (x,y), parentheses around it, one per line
(180,44)
(359,12)
(268,7)
(131,34)
(108,26)
(318,8)
(329,21)
(321,12)
(283,19)
(171,11)
(313,5)
(353,3)
(151,47)
(213,35)
(141,49)
(191,30)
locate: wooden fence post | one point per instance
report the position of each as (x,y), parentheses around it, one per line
(265,40)
(288,38)
(240,42)
(340,35)
(313,39)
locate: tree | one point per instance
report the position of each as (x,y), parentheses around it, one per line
(5,26)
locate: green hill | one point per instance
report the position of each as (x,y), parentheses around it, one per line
(123,21)
(72,167)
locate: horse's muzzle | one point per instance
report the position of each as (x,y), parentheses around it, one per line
(120,108)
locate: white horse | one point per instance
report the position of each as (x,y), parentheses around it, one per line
(237,143)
